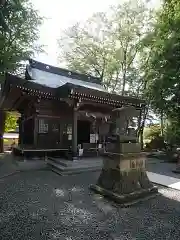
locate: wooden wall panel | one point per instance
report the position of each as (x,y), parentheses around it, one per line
(56,137)
(53,108)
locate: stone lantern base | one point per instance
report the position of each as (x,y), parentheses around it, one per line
(124,179)
(177,170)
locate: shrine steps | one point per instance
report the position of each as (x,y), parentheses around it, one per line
(65,167)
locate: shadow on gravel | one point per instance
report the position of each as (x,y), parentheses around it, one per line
(43,205)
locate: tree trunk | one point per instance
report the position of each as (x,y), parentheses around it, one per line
(144,116)
(124,83)
(162,124)
(141,137)
(2,128)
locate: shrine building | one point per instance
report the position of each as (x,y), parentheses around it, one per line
(60,111)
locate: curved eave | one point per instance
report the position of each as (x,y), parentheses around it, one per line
(15,86)
(82,93)
(105,101)
(15,89)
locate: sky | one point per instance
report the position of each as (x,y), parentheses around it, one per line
(61,14)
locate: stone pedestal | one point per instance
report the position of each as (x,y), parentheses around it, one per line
(177,170)
(124,179)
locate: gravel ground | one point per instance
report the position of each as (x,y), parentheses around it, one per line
(43,205)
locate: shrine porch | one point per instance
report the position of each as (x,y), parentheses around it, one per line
(29,152)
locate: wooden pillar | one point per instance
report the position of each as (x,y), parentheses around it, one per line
(74,133)
(23,130)
(35,131)
(20,130)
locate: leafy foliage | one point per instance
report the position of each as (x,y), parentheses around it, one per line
(11,122)
(108,45)
(163,67)
(152,132)
(172,133)
(18,33)
(165,57)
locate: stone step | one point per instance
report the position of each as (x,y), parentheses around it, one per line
(73,169)
(76,163)
(76,166)
(59,161)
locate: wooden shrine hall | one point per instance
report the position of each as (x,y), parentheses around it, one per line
(61,111)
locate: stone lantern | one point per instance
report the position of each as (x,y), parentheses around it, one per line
(123,177)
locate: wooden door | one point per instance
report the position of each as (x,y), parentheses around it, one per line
(54,133)
(43,133)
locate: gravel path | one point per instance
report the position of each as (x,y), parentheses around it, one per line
(43,205)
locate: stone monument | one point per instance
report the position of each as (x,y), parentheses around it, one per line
(123,177)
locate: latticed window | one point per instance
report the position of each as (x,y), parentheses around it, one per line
(43,126)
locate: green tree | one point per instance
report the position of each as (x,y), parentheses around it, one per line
(11,122)
(19,32)
(165,56)
(152,132)
(108,45)
(18,41)
(163,68)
